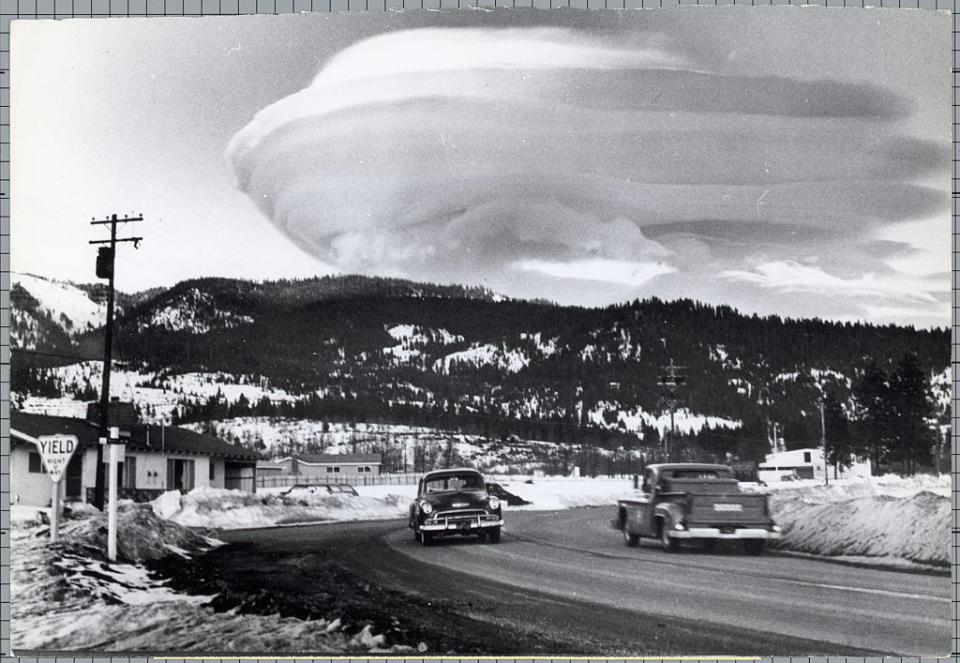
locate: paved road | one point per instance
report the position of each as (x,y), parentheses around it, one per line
(571,570)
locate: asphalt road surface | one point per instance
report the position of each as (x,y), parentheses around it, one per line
(570,574)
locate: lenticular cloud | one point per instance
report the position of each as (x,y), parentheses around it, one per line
(516,154)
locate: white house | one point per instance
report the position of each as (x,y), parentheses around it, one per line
(155,459)
(806,464)
(326,468)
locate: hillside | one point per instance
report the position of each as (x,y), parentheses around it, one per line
(357,349)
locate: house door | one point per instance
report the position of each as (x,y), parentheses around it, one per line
(180,475)
(74,488)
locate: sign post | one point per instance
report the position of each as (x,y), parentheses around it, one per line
(116,449)
(56,451)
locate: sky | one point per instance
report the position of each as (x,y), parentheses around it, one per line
(781,160)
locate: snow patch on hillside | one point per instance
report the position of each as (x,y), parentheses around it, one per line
(485,354)
(68,306)
(412,338)
(195,312)
(684,420)
(157,396)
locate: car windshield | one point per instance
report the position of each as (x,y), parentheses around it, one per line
(450,482)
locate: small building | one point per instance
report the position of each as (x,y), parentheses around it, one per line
(328,468)
(806,464)
(156,458)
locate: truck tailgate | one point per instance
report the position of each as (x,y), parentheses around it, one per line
(726,509)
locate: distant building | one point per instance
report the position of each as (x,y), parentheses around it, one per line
(156,459)
(329,468)
(806,464)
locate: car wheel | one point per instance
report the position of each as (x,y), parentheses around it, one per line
(632,540)
(426,538)
(416,534)
(494,535)
(754,546)
(669,543)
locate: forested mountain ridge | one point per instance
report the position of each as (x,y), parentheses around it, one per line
(362,349)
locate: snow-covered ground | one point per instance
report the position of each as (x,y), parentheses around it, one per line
(227,509)
(66,596)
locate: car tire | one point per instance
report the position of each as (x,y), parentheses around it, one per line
(632,540)
(669,543)
(426,538)
(493,535)
(754,546)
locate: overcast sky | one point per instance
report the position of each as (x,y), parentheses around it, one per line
(780,160)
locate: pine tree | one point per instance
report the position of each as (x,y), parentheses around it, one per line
(874,416)
(840,442)
(912,410)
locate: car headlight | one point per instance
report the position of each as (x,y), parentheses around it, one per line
(426,507)
(494,502)
(679,526)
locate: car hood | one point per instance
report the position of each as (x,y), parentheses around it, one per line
(464,499)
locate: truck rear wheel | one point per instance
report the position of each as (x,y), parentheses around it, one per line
(632,540)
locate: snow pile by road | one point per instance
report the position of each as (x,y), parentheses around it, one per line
(882,519)
(562,493)
(67,596)
(230,509)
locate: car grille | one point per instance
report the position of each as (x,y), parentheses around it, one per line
(461,514)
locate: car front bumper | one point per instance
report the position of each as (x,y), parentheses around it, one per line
(460,525)
(717,533)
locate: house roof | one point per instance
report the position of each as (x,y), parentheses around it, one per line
(142,437)
(339,459)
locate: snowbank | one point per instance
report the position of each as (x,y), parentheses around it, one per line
(886,519)
(67,596)
(229,509)
(564,493)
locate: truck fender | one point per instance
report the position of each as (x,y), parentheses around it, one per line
(668,513)
(626,520)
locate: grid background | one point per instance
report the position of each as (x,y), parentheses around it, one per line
(91,9)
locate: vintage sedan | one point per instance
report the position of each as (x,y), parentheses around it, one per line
(455,502)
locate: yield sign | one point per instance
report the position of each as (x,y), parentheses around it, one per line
(55,450)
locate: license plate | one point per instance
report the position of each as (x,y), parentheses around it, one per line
(464,525)
(728,530)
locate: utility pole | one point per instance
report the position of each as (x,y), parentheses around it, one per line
(823,442)
(672,381)
(105,270)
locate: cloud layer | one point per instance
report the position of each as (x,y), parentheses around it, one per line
(563,164)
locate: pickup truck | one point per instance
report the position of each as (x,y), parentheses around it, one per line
(695,502)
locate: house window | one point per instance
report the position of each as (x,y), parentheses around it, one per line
(364,469)
(806,456)
(36,465)
(126,472)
